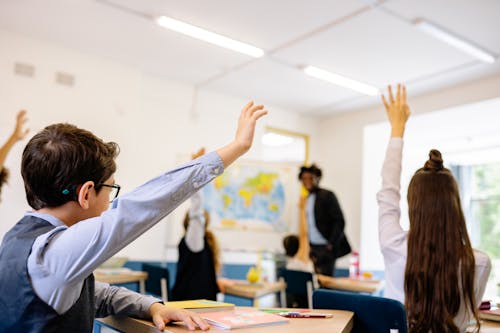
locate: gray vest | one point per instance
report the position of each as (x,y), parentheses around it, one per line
(21,310)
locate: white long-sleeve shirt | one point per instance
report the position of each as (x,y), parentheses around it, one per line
(394,240)
(195,232)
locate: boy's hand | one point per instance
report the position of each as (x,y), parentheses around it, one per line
(397,110)
(246,124)
(162,314)
(244,134)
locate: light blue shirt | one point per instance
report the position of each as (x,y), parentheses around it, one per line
(315,237)
(62,258)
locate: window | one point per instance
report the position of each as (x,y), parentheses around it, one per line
(281,145)
(480,192)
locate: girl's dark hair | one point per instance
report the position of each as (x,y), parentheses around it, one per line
(4,176)
(291,245)
(60,158)
(440,266)
(212,242)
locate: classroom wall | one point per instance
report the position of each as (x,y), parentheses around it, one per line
(152,118)
(157,126)
(341,145)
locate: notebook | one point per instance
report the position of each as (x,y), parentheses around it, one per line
(201,305)
(242,318)
(492,314)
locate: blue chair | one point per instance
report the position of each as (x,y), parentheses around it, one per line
(371,314)
(299,288)
(157,282)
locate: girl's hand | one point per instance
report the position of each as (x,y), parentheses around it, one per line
(19,131)
(397,110)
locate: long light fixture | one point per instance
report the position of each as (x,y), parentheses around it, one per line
(341,80)
(453,40)
(208,36)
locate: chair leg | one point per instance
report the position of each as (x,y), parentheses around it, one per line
(315,282)
(282,295)
(309,294)
(164,290)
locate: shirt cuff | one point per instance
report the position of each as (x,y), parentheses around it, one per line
(144,304)
(214,162)
(396,142)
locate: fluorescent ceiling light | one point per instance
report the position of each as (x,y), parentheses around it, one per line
(455,41)
(210,37)
(276,140)
(341,81)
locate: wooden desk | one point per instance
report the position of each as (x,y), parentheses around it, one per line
(488,326)
(341,322)
(347,284)
(254,291)
(122,276)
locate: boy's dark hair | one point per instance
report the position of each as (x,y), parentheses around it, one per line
(311,169)
(59,159)
(291,245)
(4,175)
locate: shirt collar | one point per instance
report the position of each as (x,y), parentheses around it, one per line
(47,217)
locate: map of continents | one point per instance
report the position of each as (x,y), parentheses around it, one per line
(246,197)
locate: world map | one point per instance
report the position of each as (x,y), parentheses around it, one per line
(246,197)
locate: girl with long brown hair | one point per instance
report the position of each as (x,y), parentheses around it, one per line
(431,268)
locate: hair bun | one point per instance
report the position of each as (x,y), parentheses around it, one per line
(435,161)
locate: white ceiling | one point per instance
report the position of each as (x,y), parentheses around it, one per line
(370,41)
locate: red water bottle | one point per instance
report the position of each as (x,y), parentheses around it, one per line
(354,272)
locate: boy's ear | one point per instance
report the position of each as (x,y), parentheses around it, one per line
(84,194)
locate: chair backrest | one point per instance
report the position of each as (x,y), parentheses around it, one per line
(157,282)
(371,314)
(299,284)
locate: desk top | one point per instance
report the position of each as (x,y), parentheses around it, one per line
(488,326)
(344,283)
(341,322)
(249,290)
(119,276)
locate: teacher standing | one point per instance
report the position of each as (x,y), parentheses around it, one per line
(325,223)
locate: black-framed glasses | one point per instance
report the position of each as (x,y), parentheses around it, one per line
(113,193)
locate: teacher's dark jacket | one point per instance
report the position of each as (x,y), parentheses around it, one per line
(330,222)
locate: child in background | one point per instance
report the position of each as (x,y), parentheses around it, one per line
(431,268)
(18,134)
(297,254)
(46,284)
(297,248)
(199,255)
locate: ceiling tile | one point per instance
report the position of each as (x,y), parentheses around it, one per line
(477,20)
(269,82)
(262,23)
(100,30)
(376,49)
